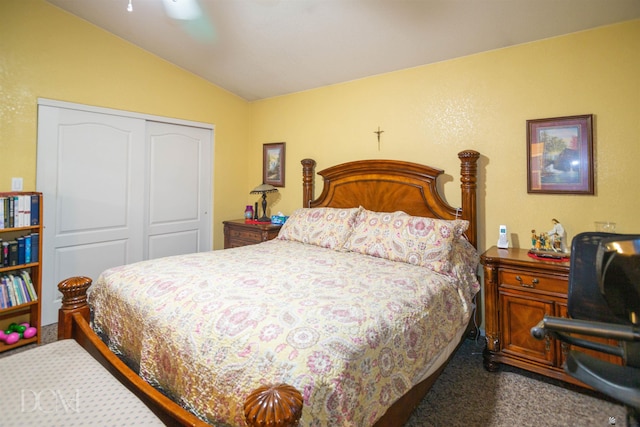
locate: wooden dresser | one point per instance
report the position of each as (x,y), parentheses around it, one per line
(519,291)
(237,233)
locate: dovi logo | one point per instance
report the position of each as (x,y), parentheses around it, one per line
(50,401)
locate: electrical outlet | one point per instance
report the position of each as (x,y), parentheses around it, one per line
(16,184)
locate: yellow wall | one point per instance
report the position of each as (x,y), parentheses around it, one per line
(480,102)
(48,53)
(427,113)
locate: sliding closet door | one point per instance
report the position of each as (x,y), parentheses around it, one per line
(178,219)
(118,189)
(88,169)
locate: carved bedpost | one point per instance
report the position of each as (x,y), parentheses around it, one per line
(74,300)
(468,178)
(308,172)
(273,406)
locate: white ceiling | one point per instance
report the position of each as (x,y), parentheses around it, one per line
(263,48)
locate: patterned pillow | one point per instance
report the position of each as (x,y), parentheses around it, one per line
(398,236)
(325,227)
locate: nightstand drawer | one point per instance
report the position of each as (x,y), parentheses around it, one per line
(244,234)
(531,280)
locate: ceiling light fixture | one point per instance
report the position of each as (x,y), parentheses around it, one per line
(185,10)
(130,7)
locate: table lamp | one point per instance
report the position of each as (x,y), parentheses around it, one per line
(264,189)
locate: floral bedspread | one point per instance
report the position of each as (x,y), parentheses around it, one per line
(352,332)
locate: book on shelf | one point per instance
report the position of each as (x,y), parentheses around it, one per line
(23,288)
(35,209)
(26,212)
(35,247)
(12,298)
(3,296)
(21,249)
(18,211)
(31,290)
(5,204)
(21,210)
(17,286)
(27,249)
(11,211)
(5,254)
(16,289)
(13,252)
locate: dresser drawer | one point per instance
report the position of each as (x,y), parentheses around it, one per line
(533,281)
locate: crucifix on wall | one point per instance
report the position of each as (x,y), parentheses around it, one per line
(378,132)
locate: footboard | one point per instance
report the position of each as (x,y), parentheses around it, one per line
(276,405)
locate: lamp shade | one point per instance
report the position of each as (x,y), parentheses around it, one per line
(264,188)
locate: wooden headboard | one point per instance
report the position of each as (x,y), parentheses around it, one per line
(393,185)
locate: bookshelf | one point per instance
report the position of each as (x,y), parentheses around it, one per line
(20,262)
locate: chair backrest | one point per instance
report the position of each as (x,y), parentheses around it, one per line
(618,267)
(585,300)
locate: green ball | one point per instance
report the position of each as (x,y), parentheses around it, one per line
(20,329)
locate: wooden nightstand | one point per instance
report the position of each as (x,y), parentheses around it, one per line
(237,233)
(519,291)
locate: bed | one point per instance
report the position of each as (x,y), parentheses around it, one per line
(346,318)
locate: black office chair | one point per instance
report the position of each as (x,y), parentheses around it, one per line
(603,301)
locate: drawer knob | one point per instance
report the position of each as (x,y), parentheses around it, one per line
(534,282)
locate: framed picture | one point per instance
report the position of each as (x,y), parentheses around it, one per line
(273,164)
(560,155)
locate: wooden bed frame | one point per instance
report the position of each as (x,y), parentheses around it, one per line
(378,185)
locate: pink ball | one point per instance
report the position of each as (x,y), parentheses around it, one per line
(25,324)
(30,332)
(3,336)
(12,338)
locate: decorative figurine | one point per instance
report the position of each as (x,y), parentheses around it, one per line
(552,241)
(557,237)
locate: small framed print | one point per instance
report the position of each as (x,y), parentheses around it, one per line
(560,155)
(273,164)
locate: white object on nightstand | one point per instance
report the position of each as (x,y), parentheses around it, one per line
(503,242)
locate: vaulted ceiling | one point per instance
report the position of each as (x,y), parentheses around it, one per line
(264,48)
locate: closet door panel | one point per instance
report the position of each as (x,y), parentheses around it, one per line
(179,189)
(92,187)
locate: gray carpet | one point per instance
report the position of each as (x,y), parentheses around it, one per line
(467,395)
